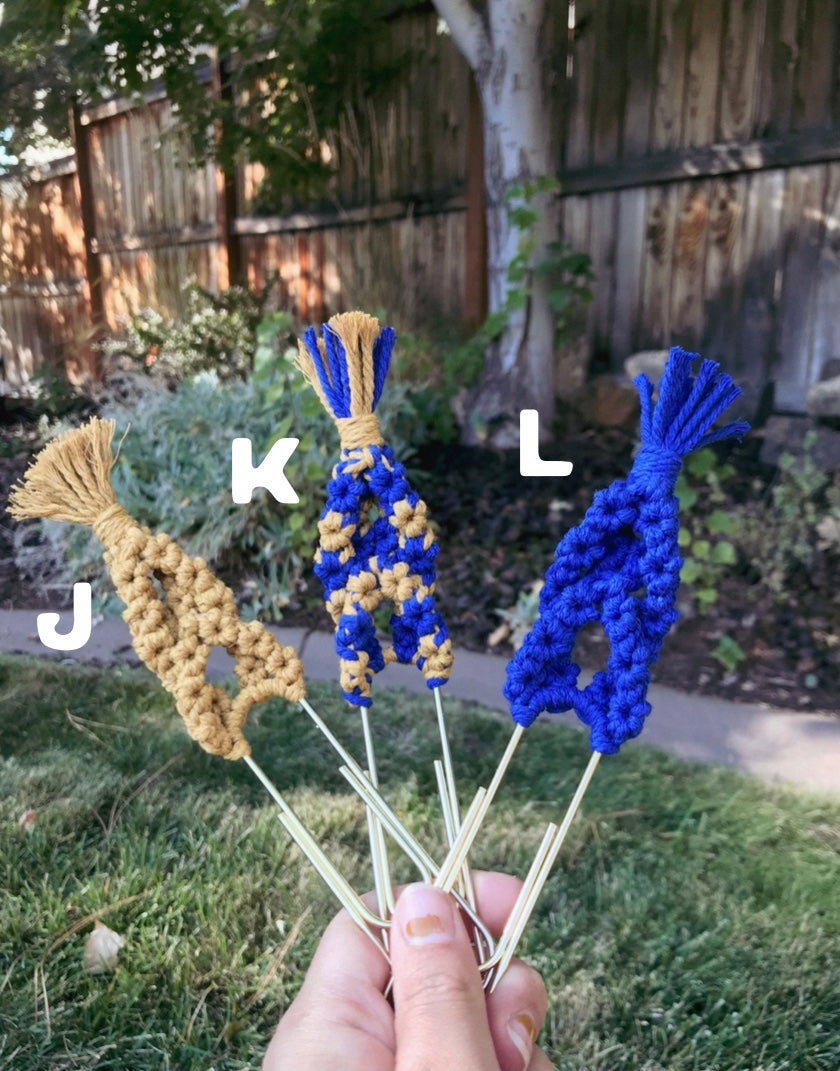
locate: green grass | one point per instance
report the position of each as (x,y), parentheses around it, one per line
(693,920)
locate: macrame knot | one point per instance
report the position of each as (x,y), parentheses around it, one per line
(657,466)
(172,634)
(357,432)
(621,567)
(364,559)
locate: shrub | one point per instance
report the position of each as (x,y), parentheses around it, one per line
(218,332)
(425,378)
(792,534)
(705,526)
(173,474)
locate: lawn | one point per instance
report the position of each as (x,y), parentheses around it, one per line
(693,920)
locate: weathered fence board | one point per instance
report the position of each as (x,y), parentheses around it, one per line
(44,299)
(699,160)
(745,268)
(366,264)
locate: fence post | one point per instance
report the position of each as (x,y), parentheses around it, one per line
(81,144)
(228,201)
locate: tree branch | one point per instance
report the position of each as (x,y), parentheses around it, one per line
(467,28)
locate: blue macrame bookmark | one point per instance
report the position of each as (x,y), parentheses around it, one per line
(621,567)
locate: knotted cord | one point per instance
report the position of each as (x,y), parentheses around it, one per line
(364,559)
(621,567)
(176,609)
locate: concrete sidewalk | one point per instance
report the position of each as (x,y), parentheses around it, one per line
(778,745)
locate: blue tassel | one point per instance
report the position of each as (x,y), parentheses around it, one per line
(621,566)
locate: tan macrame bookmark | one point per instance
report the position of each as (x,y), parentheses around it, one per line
(176,609)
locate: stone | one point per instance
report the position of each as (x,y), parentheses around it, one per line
(823,398)
(608,401)
(651,362)
(786,434)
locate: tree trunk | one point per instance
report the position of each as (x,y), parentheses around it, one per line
(506,49)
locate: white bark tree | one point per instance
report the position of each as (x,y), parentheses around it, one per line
(505,47)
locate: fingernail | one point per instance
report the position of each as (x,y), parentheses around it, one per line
(426,916)
(522,1031)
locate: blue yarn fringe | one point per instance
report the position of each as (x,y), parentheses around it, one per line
(621,566)
(332,372)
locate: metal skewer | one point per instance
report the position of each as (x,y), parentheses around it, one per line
(378,847)
(536,879)
(371,796)
(367,921)
(464,877)
(359,781)
(418,855)
(454,861)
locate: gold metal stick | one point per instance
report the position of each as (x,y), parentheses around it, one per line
(378,847)
(463,842)
(418,855)
(490,967)
(372,797)
(481,949)
(445,803)
(536,879)
(345,893)
(465,878)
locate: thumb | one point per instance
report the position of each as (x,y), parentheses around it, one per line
(440,1014)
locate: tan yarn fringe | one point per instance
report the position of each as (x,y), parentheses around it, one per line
(357,331)
(70,481)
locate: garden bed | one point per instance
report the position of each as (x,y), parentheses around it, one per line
(499,531)
(497,534)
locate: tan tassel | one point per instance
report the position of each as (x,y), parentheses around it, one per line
(70,481)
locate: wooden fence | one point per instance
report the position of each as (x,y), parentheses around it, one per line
(698,150)
(44,296)
(701,173)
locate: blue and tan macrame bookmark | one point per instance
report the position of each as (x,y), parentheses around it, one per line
(376,544)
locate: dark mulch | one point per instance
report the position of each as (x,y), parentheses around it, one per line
(497,533)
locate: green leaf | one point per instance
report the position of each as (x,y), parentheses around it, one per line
(687,498)
(723,553)
(523,217)
(729,653)
(720,521)
(690,571)
(701,462)
(546,184)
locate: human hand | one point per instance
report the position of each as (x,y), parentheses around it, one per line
(441,1018)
